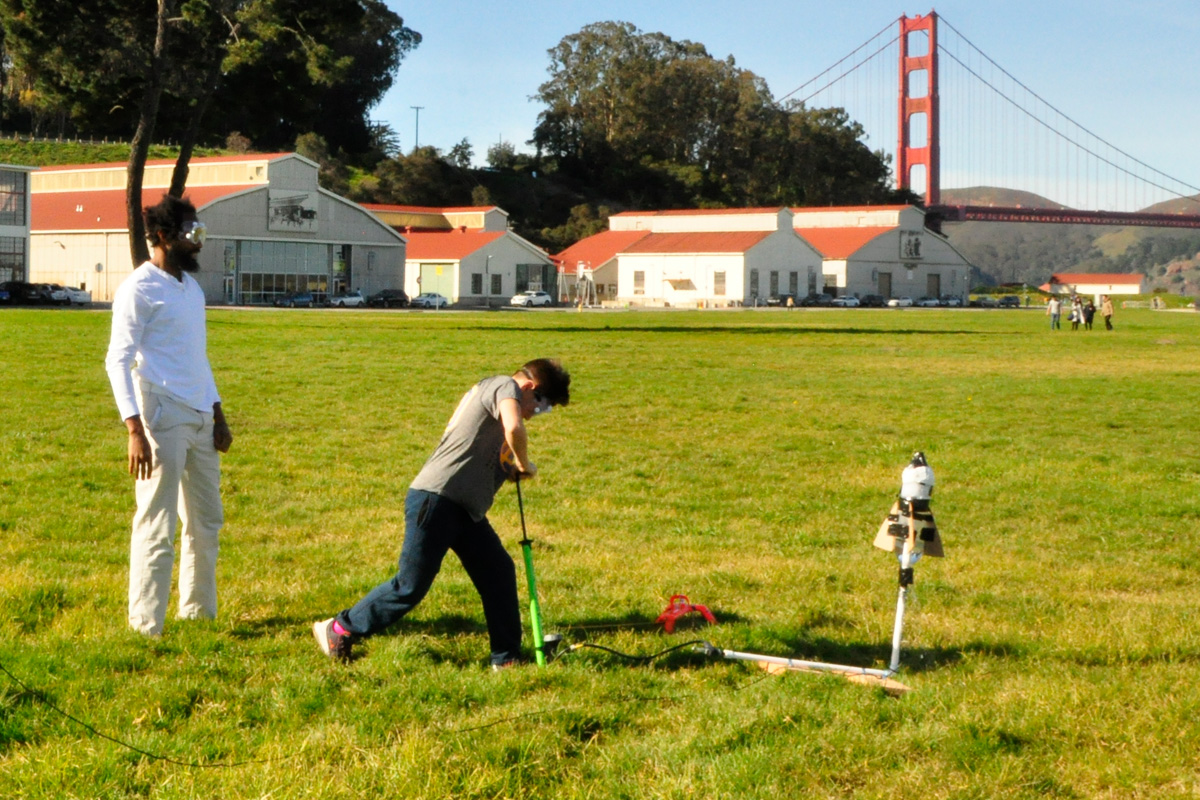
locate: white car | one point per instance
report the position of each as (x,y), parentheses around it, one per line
(429,300)
(846,301)
(79,297)
(928,302)
(348,300)
(532,298)
(900,302)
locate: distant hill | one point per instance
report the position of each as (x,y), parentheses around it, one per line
(1029,252)
(995,196)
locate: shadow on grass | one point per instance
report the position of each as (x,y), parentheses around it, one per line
(748,330)
(912,659)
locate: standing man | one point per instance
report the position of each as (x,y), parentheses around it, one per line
(1054,309)
(1106,310)
(158,366)
(484,444)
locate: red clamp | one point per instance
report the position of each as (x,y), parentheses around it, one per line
(679,606)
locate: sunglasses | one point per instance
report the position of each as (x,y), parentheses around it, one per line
(193,232)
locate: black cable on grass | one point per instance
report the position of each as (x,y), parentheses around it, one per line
(40,696)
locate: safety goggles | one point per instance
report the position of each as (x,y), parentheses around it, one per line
(543,405)
(193,232)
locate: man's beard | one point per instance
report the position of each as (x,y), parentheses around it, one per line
(182,260)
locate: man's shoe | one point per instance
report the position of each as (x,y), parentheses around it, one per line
(512,662)
(332,643)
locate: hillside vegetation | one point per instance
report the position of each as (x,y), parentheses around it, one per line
(1029,252)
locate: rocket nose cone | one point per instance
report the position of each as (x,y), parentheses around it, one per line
(918,460)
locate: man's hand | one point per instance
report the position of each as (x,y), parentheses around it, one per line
(222,436)
(141,457)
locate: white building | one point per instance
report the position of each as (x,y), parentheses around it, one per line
(1094,284)
(884,250)
(712,258)
(272,230)
(467,254)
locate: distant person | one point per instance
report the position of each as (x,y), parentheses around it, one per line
(1054,310)
(1076,313)
(1089,313)
(1106,311)
(158,366)
(446,509)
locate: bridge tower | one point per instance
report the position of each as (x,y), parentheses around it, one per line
(917,109)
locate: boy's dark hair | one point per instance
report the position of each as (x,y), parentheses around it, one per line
(553,381)
(166,217)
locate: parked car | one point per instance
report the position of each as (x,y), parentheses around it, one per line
(5,297)
(1010,301)
(900,302)
(928,302)
(79,297)
(388,298)
(429,300)
(57,295)
(532,298)
(347,300)
(951,301)
(296,300)
(845,301)
(821,299)
(872,301)
(19,292)
(985,301)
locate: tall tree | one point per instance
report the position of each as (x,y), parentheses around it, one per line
(162,68)
(647,118)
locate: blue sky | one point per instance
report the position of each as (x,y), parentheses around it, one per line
(1129,71)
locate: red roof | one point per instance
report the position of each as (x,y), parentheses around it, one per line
(104,210)
(447,245)
(841,242)
(162,162)
(1095,277)
(426,209)
(821,209)
(697,212)
(698,242)
(599,249)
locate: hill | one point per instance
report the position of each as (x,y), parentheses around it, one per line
(1029,252)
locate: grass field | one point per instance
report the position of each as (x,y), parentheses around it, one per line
(742,458)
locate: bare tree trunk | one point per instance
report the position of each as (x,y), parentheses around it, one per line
(187,141)
(140,147)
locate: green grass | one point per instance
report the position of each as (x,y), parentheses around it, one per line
(742,458)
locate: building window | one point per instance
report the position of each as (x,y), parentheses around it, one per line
(497,284)
(13,197)
(639,282)
(12,258)
(476,283)
(774,283)
(719,284)
(268,270)
(754,283)
(794,284)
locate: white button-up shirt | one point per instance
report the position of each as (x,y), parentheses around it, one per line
(159,336)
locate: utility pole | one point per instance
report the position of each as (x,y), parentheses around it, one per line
(417,132)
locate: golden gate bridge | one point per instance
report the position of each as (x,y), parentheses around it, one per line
(961,115)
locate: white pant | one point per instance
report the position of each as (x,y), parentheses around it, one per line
(184,486)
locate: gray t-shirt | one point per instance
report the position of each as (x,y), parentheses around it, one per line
(465,467)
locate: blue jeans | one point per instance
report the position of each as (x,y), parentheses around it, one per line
(433,525)
(1054,322)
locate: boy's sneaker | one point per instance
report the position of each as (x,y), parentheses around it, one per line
(332,643)
(512,662)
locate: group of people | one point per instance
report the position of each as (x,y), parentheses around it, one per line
(158,367)
(1080,312)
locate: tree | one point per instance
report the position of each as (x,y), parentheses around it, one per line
(502,155)
(647,118)
(461,154)
(156,68)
